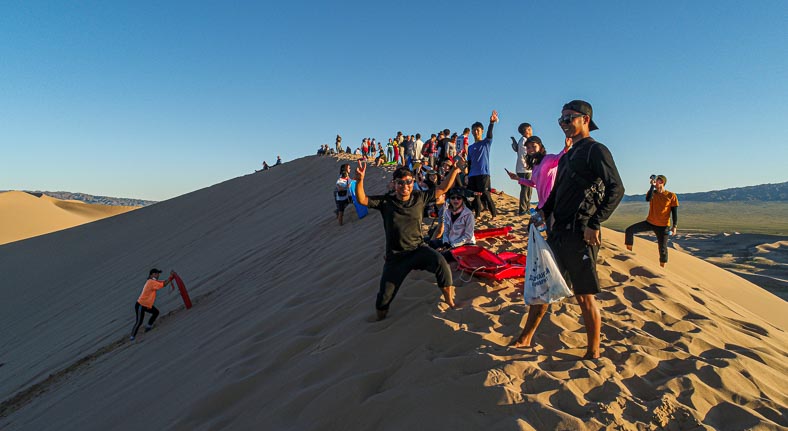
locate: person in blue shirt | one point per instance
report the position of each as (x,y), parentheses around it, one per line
(479,161)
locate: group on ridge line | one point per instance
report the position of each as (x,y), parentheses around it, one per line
(578,188)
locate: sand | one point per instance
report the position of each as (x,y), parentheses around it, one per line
(23,215)
(279,336)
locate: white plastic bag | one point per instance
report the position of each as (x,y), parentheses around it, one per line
(544,283)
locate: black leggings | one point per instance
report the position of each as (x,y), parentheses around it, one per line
(659,231)
(140,311)
(397,268)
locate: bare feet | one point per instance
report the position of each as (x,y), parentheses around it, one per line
(521,344)
(629,247)
(590,356)
(382,314)
(662,264)
(448,296)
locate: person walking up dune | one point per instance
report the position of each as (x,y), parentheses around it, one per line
(145,302)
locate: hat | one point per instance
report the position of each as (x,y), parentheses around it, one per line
(154,271)
(584,108)
(534,139)
(456,191)
(663,178)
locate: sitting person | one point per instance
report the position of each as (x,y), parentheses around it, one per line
(380,159)
(342,192)
(458,224)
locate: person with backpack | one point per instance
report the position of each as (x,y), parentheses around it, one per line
(342,192)
(587,190)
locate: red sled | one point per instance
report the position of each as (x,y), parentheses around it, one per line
(483,263)
(491,232)
(182,288)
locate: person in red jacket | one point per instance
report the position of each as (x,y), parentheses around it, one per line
(145,301)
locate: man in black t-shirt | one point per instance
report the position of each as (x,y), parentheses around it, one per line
(402,212)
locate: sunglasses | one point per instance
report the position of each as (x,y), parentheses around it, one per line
(403,182)
(456,198)
(566,119)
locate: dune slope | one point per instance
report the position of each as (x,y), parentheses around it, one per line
(279,336)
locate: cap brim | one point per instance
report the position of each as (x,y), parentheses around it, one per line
(592,125)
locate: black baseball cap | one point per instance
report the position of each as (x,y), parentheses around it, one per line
(154,271)
(584,108)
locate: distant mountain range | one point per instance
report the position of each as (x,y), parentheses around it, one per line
(90,199)
(763,192)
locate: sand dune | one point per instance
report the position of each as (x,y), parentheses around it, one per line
(279,338)
(23,215)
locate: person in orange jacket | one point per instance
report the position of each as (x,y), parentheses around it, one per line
(145,301)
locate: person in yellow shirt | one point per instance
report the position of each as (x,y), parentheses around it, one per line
(145,301)
(662,206)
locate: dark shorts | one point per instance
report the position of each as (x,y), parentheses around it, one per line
(576,260)
(341,205)
(398,267)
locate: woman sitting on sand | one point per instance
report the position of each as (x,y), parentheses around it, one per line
(458,224)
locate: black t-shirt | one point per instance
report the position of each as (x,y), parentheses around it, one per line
(402,219)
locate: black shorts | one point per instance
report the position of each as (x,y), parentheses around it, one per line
(341,205)
(576,260)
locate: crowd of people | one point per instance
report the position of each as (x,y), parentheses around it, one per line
(447,177)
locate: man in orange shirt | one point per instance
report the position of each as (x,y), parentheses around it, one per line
(662,205)
(145,302)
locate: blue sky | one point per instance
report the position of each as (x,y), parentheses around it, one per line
(155,99)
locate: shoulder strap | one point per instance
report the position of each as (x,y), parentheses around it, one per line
(577,178)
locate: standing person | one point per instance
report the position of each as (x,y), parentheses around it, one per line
(451,150)
(479,159)
(390,150)
(443,145)
(338,144)
(522,169)
(144,303)
(395,144)
(462,142)
(402,213)
(429,149)
(418,147)
(543,166)
(662,205)
(577,206)
(342,192)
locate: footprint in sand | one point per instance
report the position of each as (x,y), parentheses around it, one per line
(639,271)
(619,277)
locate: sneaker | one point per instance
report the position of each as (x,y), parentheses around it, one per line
(148,327)
(131,338)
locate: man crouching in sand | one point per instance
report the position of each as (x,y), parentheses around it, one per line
(402,211)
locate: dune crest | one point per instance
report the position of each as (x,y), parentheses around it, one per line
(279,336)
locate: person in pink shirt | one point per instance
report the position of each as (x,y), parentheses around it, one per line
(544,167)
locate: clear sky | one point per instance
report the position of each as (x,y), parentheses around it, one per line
(152,99)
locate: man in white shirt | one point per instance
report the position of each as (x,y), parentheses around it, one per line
(522,169)
(418,147)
